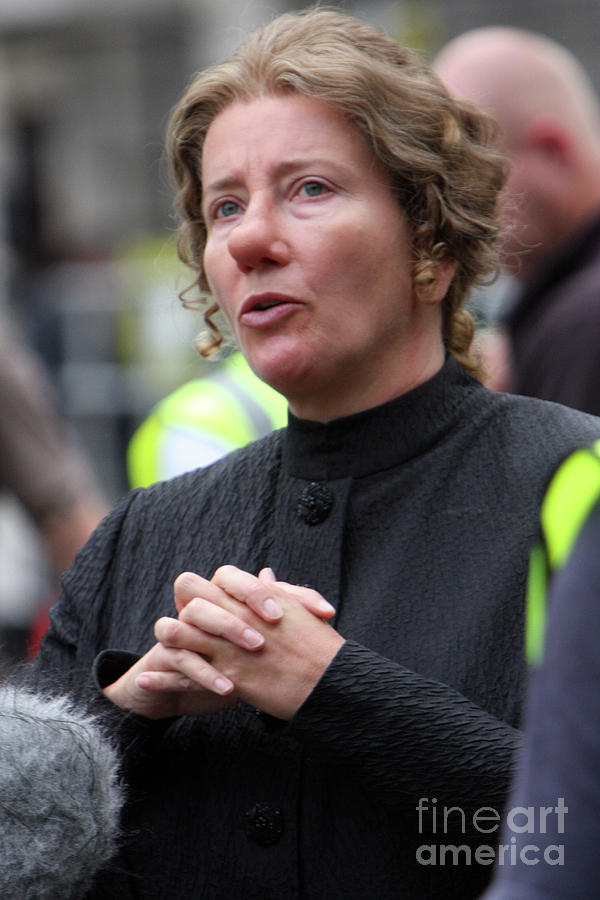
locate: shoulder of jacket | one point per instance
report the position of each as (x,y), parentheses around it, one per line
(231,472)
(540,415)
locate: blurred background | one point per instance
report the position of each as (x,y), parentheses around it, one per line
(87,262)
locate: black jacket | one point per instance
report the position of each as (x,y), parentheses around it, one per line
(415,520)
(554,326)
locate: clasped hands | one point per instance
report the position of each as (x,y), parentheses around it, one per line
(236,637)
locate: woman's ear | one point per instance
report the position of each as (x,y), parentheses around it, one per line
(437,289)
(445,272)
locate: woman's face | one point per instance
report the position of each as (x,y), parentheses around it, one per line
(308,254)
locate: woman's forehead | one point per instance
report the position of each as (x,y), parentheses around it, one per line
(283,130)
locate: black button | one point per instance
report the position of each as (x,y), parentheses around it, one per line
(264,824)
(314,503)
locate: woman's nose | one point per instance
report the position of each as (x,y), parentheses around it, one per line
(257,239)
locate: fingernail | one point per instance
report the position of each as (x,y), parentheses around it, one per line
(272,609)
(223,685)
(252,639)
(326,606)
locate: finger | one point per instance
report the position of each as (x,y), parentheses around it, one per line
(164,694)
(267,575)
(189,585)
(186,666)
(263,596)
(174,683)
(309,598)
(201,618)
(249,589)
(170,682)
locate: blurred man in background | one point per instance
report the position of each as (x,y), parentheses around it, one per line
(550,118)
(553,815)
(203,420)
(44,470)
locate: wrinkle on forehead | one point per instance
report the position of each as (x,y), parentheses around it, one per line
(269,140)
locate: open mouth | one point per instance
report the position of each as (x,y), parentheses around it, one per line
(268,304)
(267,309)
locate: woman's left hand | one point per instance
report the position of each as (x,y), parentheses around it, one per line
(298,646)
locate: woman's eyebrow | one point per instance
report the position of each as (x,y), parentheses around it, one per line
(281,169)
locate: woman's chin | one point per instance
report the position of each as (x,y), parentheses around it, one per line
(285,371)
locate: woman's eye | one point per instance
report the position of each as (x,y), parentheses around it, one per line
(314,188)
(226,209)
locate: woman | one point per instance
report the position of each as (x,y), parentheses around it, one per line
(337,203)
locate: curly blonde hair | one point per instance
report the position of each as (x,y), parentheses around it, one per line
(440,152)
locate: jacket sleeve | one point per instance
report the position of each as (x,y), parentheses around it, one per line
(405,736)
(67,661)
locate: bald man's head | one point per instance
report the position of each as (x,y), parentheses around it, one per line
(549,116)
(515,75)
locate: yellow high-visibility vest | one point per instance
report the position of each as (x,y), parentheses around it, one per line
(571,496)
(203,420)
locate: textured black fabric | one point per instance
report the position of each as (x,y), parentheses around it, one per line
(555,323)
(424,553)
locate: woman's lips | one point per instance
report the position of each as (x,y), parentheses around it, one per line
(264,310)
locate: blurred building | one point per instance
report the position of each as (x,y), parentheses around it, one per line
(85,93)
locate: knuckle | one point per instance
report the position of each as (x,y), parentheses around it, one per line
(192,610)
(158,655)
(231,626)
(185,581)
(256,593)
(170,629)
(179,658)
(159,627)
(221,622)
(228,668)
(188,611)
